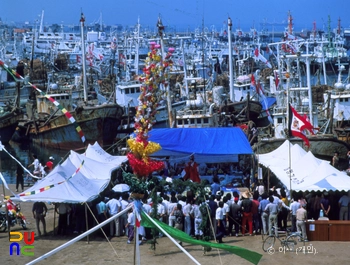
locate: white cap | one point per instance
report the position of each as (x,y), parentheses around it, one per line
(51,158)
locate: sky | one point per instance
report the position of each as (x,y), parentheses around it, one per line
(180,13)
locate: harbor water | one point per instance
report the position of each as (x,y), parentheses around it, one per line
(24,154)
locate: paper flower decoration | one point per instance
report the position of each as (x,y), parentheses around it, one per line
(156,73)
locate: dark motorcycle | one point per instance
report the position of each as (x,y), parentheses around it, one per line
(15,218)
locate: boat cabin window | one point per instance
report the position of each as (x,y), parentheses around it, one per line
(138,90)
(199,120)
(279,120)
(185,121)
(205,120)
(346,99)
(132,90)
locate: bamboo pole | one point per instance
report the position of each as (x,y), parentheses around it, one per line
(87,224)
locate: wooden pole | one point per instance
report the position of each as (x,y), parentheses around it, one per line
(54,220)
(268,179)
(87,224)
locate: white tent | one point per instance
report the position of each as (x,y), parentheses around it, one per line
(80,178)
(308,172)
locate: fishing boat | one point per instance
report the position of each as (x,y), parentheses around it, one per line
(10,115)
(295,88)
(49,125)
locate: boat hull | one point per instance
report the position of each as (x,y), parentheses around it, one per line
(99,124)
(8,124)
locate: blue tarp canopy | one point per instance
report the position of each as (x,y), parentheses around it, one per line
(214,144)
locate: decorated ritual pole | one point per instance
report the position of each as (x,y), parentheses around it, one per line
(155,75)
(166,83)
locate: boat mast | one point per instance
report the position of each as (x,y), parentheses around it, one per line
(41,22)
(82,20)
(137,47)
(229,26)
(184,67)
(290,23)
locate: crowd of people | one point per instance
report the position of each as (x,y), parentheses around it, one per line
(254,211)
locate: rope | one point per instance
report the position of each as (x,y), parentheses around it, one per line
(109,242)
(213,230)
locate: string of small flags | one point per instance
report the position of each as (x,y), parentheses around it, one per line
(56,103)
(50,186)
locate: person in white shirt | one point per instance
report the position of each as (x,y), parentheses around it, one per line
(219,216)
(225,211)
(160,212)
(42,173)
(114,207)
(124,217)
(165,203)
(171,207)
(182,200)
(260,188)
(187,213)
(146,206)
(197,218)
(294,206)
(36,166)
(130,225)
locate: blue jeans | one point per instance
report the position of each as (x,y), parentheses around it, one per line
(188,225)
(265,222)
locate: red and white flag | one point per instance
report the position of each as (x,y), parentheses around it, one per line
(298,124)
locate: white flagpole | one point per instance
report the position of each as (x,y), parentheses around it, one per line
(288,126)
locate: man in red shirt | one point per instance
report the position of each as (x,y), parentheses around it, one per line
(192,171)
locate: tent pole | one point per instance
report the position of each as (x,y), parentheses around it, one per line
(268,179)
(87,224)
(54,220)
